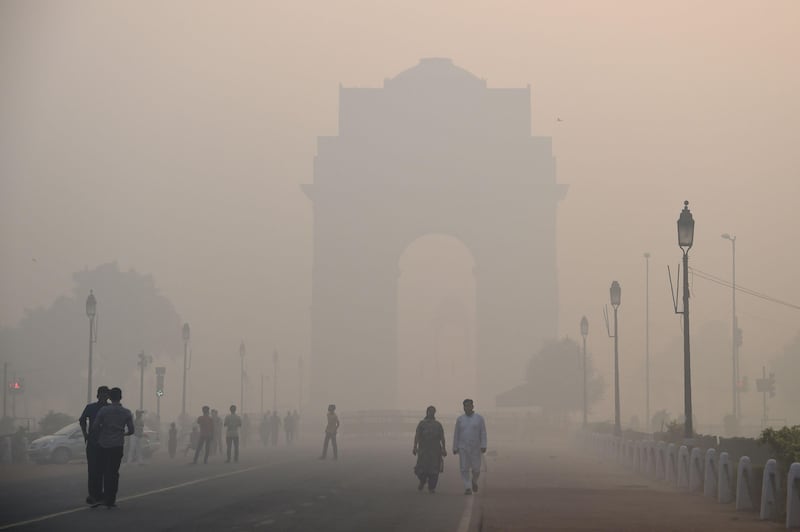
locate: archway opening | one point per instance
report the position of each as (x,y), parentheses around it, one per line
(436,353)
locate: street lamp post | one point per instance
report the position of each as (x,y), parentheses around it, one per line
(300,371)
(242,352)
(615,293)
(144,361)
(685,241)
(734,326)
(584,333)
(91,312)
(647,343)
(186,337)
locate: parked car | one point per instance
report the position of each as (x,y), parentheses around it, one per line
(67,444)
(61,447)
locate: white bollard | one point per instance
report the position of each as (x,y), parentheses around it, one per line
(661,450)
(696,470)
(710,478)
(724,491)
(793,497)
(683,467)
(672,469)
(650,459)
(744,489)
(769,491)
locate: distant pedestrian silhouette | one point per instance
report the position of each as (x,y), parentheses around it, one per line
(330,433)
(206,425)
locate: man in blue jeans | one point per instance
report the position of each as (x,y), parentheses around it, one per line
(114,422)
(89,429)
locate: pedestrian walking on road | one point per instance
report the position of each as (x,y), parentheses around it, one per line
(194,439)
(206,425)
(216,442)
(135,448)
(288,427)
(232,424)
(469,443)
(430,449)
(330,433)
(274,428)
(172,441)
(264,427)
(114,422)
(90,433)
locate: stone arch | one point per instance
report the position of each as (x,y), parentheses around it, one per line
(433,151)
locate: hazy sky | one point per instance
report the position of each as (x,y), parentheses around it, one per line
(173,137)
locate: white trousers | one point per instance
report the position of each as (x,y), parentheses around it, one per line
(469,461)
(135,451)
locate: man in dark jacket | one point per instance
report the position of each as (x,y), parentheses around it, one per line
(93,464)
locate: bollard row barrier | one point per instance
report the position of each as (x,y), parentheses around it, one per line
(709,473)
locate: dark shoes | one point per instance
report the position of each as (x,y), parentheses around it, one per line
(467,491)
(421,485)
(474,486)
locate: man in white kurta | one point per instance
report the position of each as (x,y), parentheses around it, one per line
(469,442)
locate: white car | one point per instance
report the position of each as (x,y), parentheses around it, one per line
(68,444)
(61,447)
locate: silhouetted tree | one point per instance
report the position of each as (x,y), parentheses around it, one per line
(555,378)
(786,367)
(54,421)
(49,347)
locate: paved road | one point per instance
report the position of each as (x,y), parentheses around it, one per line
(368,488)
(530,486)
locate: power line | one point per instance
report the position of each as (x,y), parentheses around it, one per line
(742,289)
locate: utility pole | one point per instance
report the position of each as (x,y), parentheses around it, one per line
(5,387)
(647,343)
(300,370)
(186,338)
(242,352)
(275,384)
(262,395)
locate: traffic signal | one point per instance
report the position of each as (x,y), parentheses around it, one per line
(771,385)
(160,371)
(743,385)
(15,386)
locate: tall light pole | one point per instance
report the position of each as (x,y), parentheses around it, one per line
(584,333)
(275,384)
(91,312)
(734,329)
(144,361)
(615,293)
(242,352)
(300,371)
(647,342)
(685,241)
(186,338)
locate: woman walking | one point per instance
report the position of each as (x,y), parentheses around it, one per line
(429,448)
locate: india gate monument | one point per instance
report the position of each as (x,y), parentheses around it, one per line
(435,150)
